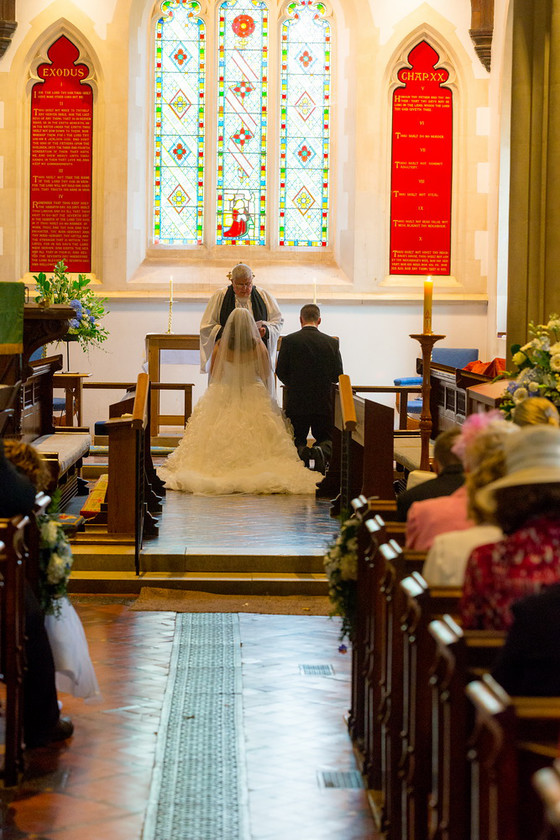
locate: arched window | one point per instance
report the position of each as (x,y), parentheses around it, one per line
(179,124)
(227,182)
(242,122)
(305,126)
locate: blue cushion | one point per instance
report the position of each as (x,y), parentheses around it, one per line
(456,357)
(59,403)
(414,406)
(408,380)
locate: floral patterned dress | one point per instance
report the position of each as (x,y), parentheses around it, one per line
(499,574)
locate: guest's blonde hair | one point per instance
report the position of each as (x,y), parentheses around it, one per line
(481,449)
(28,461)
(535,410)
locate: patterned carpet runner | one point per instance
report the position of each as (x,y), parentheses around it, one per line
(198,787)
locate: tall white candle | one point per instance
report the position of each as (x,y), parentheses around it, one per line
(315,291)
(428,292)
(171,288)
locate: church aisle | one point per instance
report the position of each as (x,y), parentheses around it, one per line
(97,785)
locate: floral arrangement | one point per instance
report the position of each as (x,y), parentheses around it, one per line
(537,366)
(89,309)
(55,563)
(341,567)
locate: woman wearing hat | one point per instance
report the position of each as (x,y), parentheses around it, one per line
(525,503)
(480,446)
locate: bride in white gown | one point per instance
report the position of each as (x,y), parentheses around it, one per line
(237,440)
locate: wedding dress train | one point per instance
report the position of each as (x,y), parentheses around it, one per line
(237,440)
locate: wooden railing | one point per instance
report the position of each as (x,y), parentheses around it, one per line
(134,491)
(349,423)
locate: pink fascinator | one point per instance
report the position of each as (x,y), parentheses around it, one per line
(473,426)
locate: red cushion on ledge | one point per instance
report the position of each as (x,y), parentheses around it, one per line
(491,369)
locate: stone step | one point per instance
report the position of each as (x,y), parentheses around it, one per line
(226,584)
(120,557)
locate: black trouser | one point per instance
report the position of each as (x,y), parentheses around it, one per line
(40,706)
(321,429)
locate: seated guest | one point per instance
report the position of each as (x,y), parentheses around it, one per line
(430,517)
(525,503)
(449,475)
(42,721)
(481,449)
(74,670)
(529,663)
(534,411)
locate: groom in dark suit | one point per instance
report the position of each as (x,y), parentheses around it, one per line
(308,363)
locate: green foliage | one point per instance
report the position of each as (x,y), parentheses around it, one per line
(60,287)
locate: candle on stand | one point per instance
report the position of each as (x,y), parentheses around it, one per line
(171,288)
(315,291)
(428,292)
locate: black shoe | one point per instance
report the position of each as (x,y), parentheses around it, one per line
(318,457)
(63,729)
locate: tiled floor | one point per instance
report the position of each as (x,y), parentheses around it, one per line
(97,784)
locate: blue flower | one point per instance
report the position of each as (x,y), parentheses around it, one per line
(77,307)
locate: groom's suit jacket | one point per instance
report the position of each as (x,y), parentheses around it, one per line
(308,363)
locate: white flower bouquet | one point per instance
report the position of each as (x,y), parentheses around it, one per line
(55,563)
(341,568)
(537,366)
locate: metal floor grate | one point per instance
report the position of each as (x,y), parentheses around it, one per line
(340,779)
(317,670)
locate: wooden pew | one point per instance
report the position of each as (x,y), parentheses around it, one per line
(421,658)
(512,739)
(8,400)
(12,639)
(384,507)
(359,641)
(493,766)
(32,417)
(415,734)
(391,608)
(372,664)
(134,490)
(370,450)
(448,802)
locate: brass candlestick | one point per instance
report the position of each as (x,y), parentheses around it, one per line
(427,341)
(170,318)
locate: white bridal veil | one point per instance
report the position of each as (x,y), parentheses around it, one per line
(240,356)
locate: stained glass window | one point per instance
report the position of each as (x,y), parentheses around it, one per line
(299,155)
(179,124)
(242,122)
(305,126)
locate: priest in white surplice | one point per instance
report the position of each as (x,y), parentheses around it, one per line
(241,293)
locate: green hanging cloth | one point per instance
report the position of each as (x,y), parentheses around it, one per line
(12,298)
